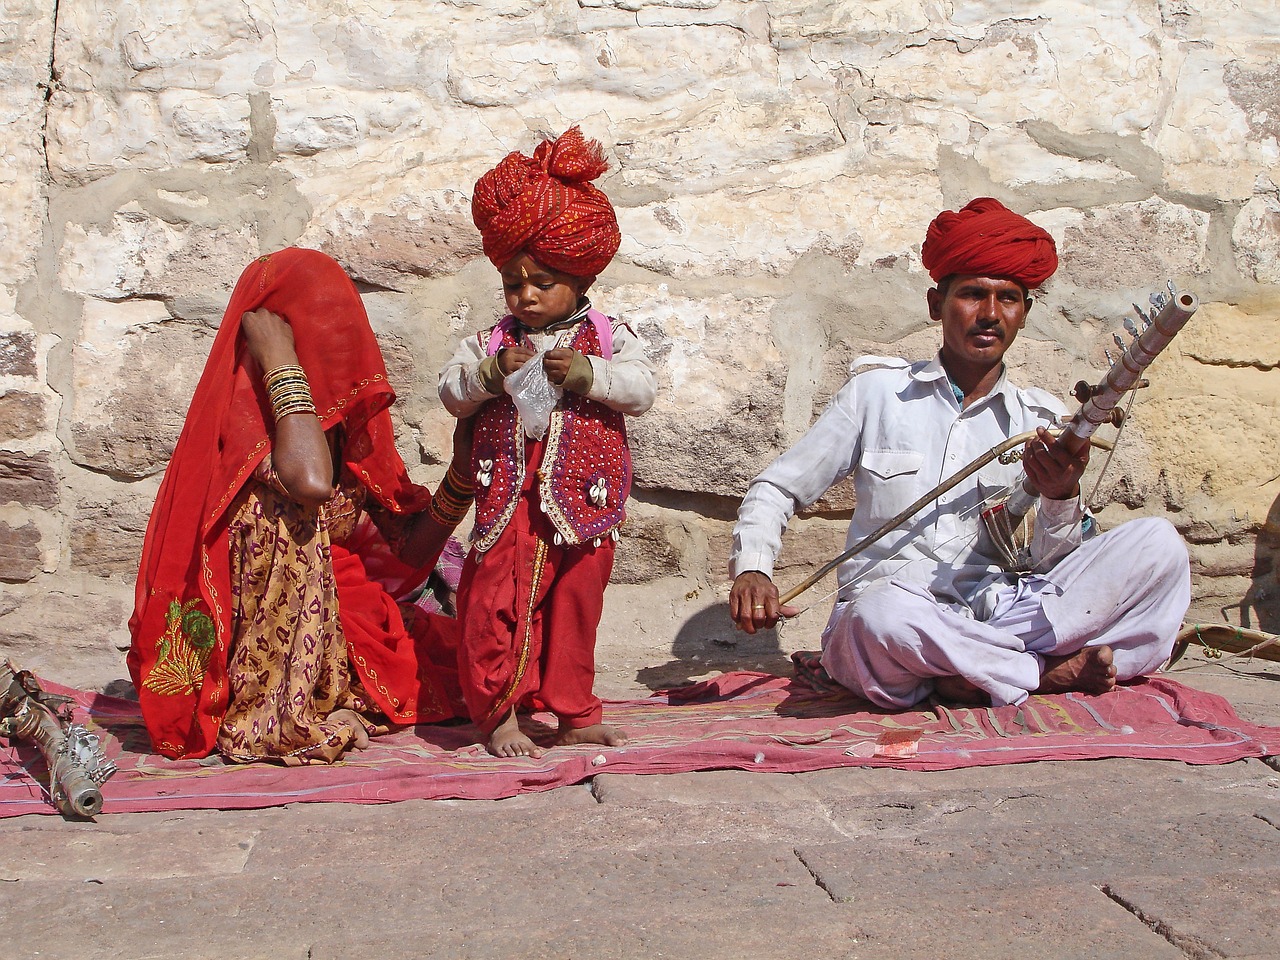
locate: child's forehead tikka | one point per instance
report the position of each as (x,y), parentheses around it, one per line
(524,274)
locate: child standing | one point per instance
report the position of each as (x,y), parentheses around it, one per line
(547,509)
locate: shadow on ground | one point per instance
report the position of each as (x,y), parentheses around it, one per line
(708,642)
(1260,607)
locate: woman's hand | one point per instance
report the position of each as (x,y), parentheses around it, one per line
(462,445)
(269,338)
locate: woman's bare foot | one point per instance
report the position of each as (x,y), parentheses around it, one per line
(960,690)
(359,735)
(1092,670)
(596,733)
(508,741)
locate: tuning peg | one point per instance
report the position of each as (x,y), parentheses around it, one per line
(1131,328)
(1111,362)
(1119,343)
(1145,318)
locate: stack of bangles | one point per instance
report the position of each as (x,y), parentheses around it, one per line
(288,391)
(452,499)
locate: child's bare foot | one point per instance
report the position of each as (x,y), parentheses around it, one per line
(508,741)
(1092,670)
(960,690)
(596,733)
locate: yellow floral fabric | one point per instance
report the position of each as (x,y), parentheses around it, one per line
(292,693)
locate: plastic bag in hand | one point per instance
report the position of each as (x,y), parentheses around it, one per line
(535,396)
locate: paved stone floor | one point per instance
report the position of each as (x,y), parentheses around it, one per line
(1116,859)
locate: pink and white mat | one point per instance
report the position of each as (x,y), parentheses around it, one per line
(743,721)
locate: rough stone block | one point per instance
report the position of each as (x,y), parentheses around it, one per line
(18,354)
(1256,91)
(1115,246)
(1223,559)
(29,480)
(143,253)
(131,399)
(1256,237)
(19,552)
(73,635)
(1208,914)
(107,533)
(650,548)
(391,251)
(21,415)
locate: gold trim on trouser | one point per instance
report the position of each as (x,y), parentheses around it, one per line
(522,661)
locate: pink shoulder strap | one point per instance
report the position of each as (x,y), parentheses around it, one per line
(604,332)
(499,331)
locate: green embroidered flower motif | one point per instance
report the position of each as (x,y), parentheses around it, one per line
(182,653)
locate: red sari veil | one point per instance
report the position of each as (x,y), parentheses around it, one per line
(181,624)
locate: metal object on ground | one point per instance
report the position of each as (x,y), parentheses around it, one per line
(77,767)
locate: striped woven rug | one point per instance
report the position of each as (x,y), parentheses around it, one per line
(744,721)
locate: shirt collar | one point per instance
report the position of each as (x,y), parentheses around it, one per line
(935,372)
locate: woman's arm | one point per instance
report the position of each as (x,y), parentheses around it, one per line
(300,454)
(431,528)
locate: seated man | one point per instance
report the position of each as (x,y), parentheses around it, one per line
(928,609)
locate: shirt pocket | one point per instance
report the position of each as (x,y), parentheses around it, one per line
(888,481)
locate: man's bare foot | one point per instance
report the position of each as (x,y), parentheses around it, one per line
(508,741)
(1092,670)
(596,733)
(960,690)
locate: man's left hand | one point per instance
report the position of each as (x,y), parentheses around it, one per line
(1052,468)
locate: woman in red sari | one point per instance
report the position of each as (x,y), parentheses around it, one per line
(257,631)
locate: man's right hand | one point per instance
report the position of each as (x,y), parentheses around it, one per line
(753,602)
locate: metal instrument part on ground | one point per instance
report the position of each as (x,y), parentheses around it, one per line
(77,767)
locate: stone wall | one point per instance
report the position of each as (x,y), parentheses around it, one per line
(775,163)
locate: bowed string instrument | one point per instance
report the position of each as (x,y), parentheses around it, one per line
(1170,312)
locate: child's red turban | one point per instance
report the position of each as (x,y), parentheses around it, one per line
(989,240)
(545,206)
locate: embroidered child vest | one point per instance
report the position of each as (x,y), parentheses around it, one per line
(585,474)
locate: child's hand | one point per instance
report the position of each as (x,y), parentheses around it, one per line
(513,358)
(557,362)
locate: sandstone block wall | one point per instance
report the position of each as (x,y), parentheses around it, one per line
(775,163)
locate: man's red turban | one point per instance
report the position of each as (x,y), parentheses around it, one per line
(545,206)
(987,239)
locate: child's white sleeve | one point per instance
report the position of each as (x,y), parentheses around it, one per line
(462,382)
(626,383)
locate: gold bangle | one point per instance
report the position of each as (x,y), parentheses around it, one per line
(299,402)
(285,369)
(288,391)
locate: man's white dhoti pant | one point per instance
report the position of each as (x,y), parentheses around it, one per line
(1127,589)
